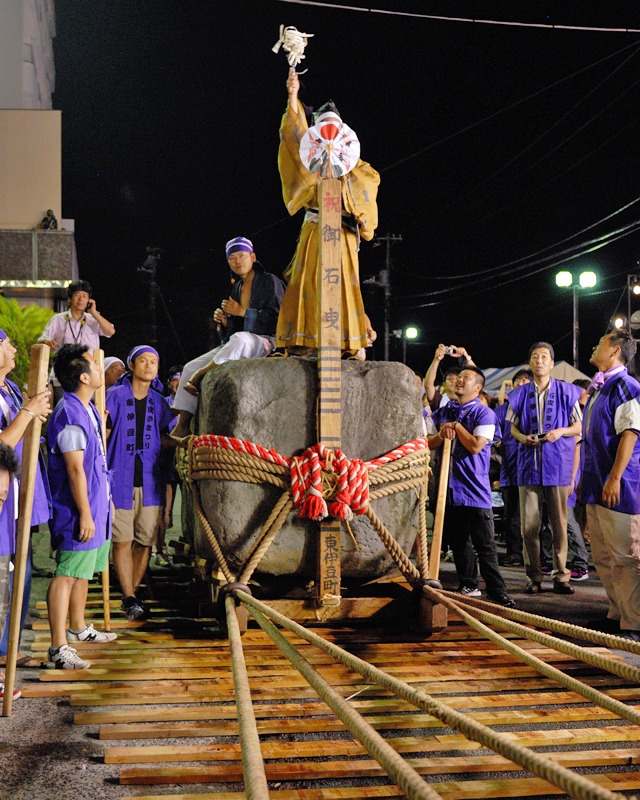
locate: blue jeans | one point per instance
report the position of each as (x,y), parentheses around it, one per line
(4,642)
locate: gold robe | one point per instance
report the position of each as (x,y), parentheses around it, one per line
(298,320)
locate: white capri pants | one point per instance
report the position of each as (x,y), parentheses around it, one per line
(240,345)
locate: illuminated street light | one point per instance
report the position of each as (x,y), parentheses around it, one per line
(411,333)
(586,280)
(618,322)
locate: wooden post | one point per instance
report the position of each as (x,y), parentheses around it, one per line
(438,521)
(100,402)
(329,368)
(38,373)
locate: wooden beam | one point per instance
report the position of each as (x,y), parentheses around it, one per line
(38,373)
(329,291)
(346,747)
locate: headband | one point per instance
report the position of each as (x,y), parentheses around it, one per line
(238,244)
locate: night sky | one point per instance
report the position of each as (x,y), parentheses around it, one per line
(170,116)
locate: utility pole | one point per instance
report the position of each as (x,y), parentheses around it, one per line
(383,280)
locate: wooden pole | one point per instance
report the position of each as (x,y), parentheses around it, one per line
(329,371)
(38,373)
(100,402)
(438,522)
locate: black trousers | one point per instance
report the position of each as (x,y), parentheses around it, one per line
(471,529)
(513,536)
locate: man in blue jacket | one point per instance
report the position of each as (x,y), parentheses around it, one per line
(469,517)
(545,418)
(610,479)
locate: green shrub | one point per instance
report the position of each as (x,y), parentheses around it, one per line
(23,325)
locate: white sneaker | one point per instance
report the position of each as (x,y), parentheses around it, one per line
(67,658)
(468,591)
(90,634)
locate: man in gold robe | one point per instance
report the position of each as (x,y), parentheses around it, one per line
(297,330)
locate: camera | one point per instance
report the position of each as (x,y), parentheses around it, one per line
(450,351)
(539,437)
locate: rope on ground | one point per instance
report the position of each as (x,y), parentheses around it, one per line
(319,483)
(575,785)
(408,780)
(568,648)
(566,628)
(615,706)
(255,779)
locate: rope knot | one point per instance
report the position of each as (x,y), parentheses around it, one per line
(325,483)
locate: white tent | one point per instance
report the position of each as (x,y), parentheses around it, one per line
(494,376)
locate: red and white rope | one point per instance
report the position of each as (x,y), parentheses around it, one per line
(352,496)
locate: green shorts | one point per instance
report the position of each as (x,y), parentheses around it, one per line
(82,563)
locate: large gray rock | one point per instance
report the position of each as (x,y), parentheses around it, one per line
(272,402)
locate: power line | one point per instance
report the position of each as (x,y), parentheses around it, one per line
(531,274)
(546,132)
(537,252)
(463,19)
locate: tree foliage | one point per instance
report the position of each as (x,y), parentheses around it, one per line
(23,325)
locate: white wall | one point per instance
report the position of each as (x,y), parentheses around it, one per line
(11,23)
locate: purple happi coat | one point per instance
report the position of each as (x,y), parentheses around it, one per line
(600,445)
(10,405)
(121,449)
(551,464)
(66,517)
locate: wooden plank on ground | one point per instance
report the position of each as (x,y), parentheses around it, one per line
(150,692)
(313,770)
(216,711)
(451,790)
(166,730)
(345,747)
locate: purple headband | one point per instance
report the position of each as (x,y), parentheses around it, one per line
(139,350)
(3,335)
(238,244)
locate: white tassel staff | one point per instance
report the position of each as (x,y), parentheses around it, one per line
(293,42)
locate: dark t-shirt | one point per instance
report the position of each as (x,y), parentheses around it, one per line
(141,410)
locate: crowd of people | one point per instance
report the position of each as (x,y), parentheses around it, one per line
(111,499)
(569,470)
(569,461)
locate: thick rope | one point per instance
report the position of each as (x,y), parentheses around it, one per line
(411,782)
(581,653)
(603,700)
(575,785)
(395,551)
(566,628)
(213,539)
(422,533)
(272,528)
(255,779)
(322,482)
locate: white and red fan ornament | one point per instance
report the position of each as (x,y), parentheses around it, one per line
(329,148)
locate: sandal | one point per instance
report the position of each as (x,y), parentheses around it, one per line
(23,661)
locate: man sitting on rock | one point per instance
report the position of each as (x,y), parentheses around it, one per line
(248,321)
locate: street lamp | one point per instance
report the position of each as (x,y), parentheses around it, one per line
(410,333)
(586,280)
